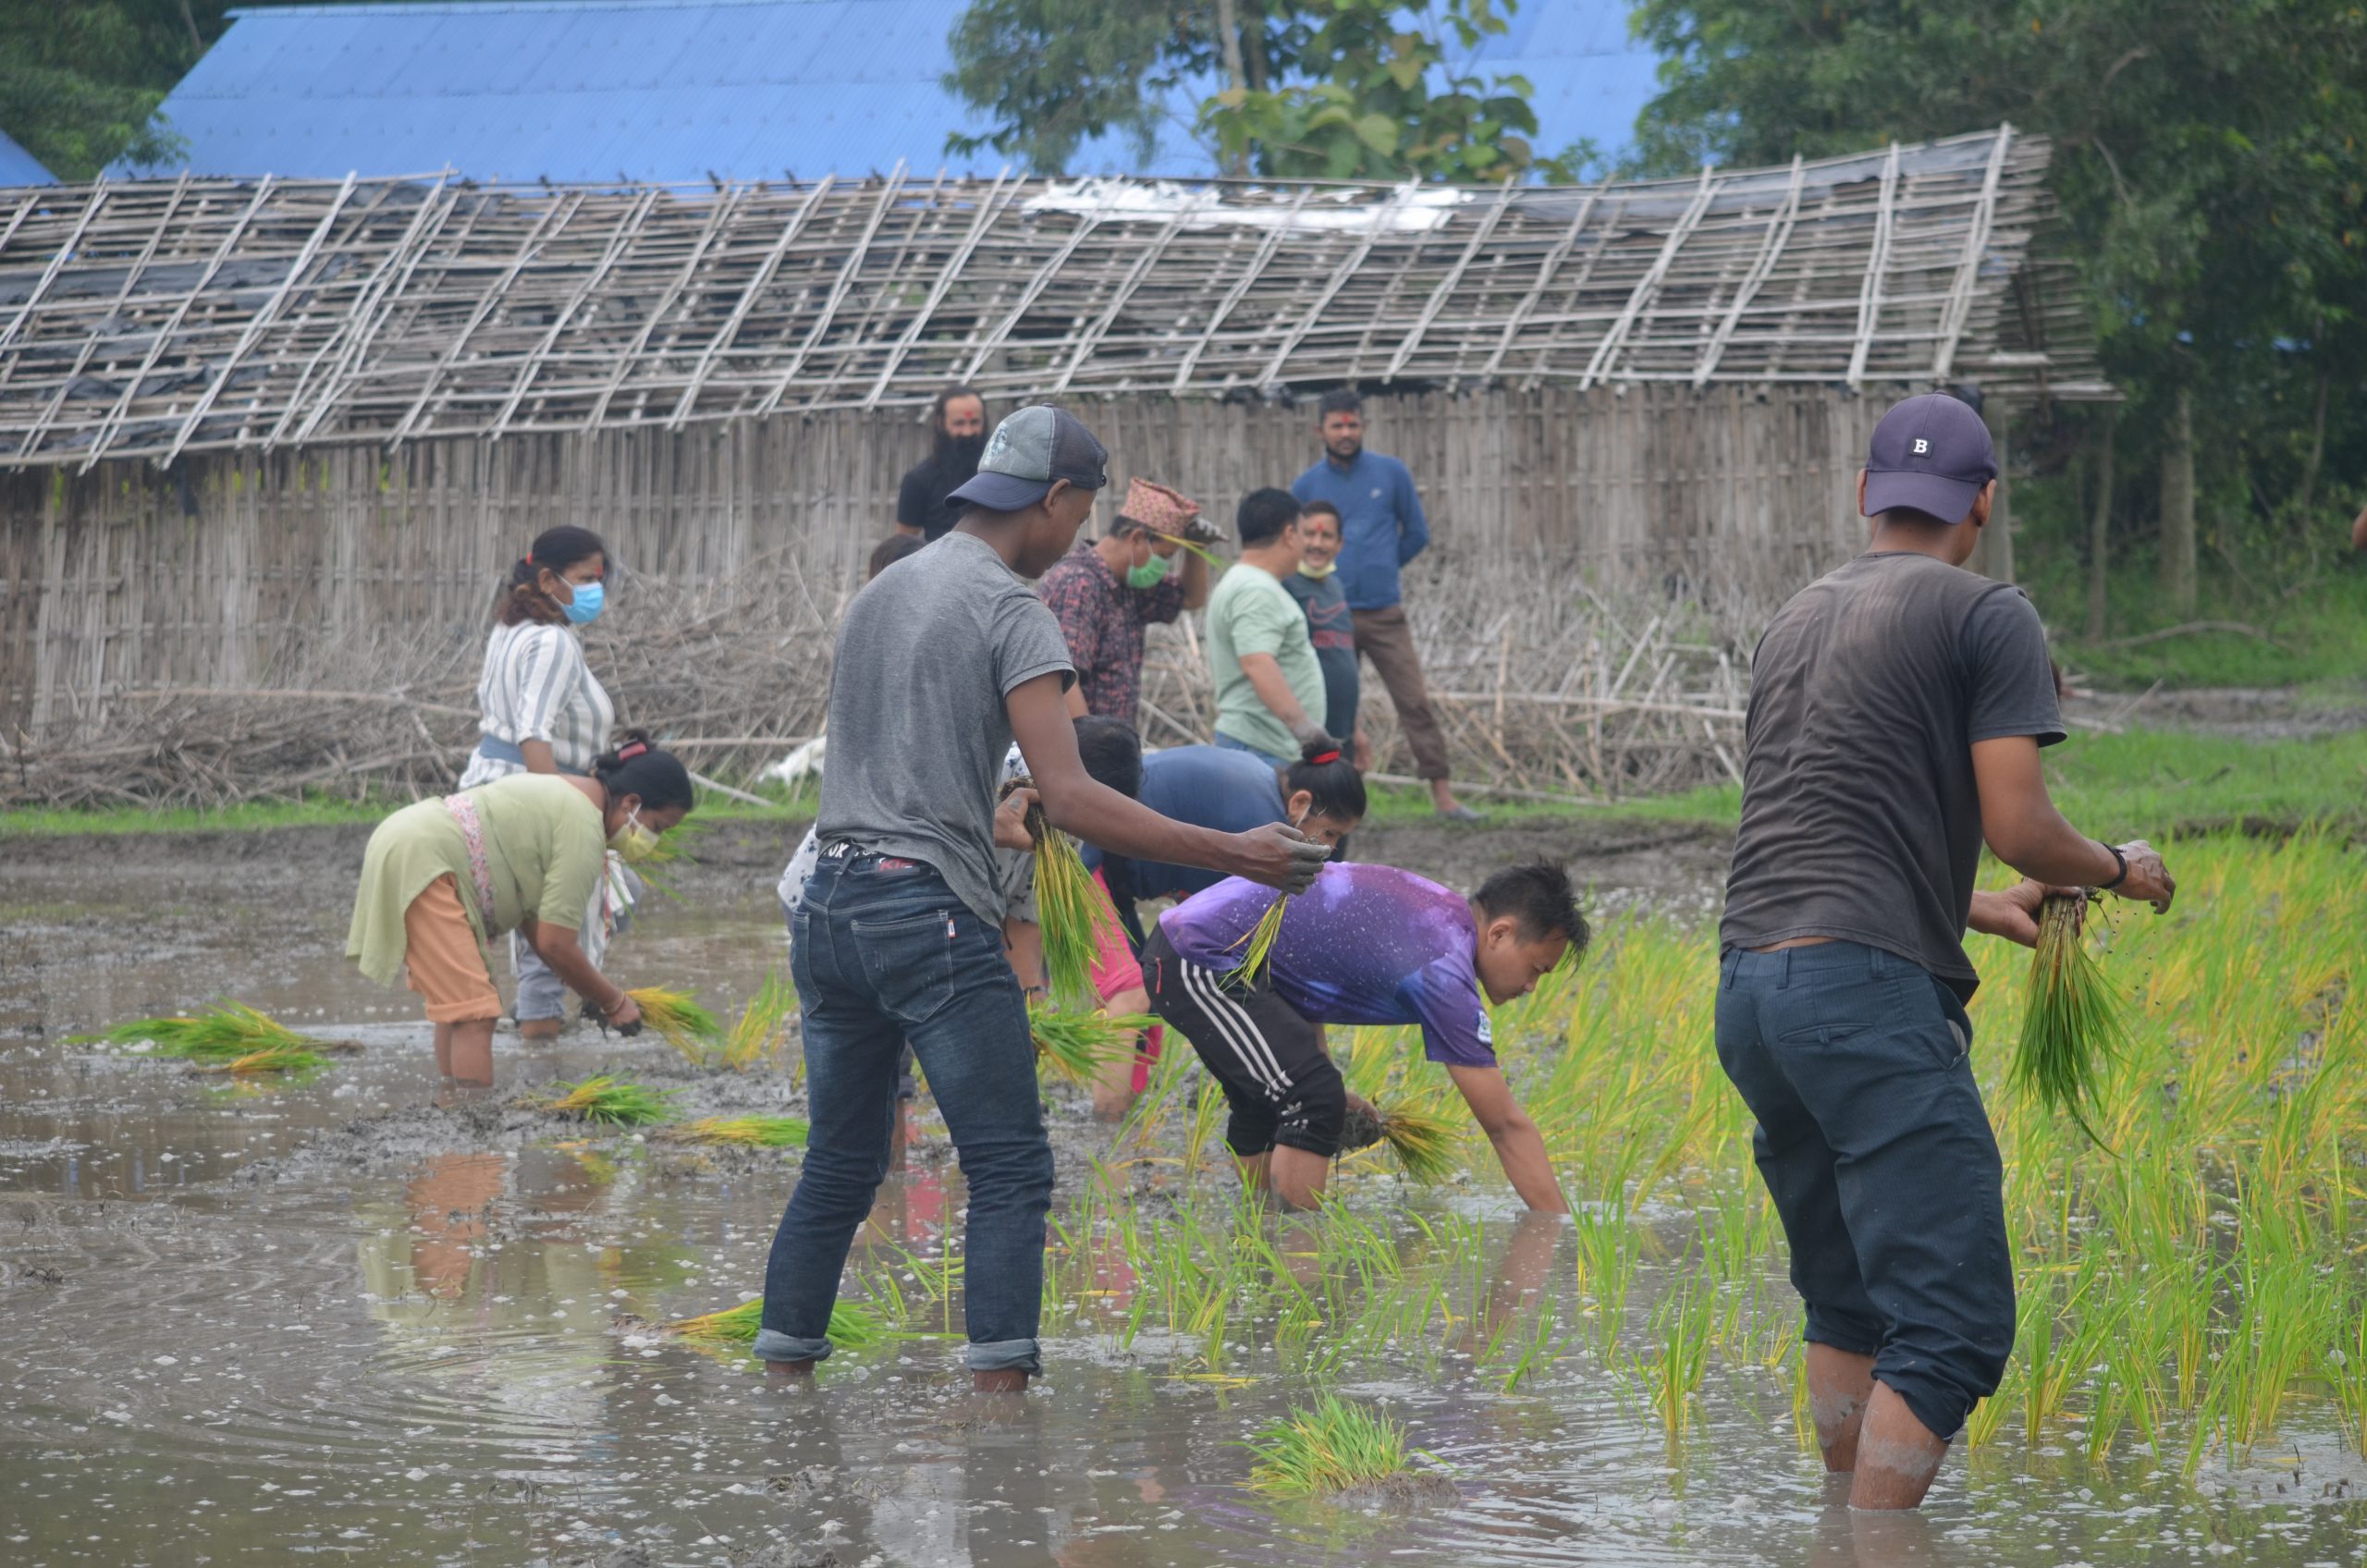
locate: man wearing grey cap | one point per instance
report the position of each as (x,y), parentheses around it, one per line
(940,664)
(1897,707)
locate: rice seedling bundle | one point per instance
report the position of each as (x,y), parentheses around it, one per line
(853,1326)
(1074,1045)
(677,1018)
(224,1033)
(611,1102)
(1070,911)
(744,1131)
(1328,1449)
(1421,1139)
(756,1034)
(2072,1027)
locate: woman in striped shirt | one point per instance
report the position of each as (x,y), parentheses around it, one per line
(544,712)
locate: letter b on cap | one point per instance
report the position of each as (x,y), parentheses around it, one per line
(1921,445)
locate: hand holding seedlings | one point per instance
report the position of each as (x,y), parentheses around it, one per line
(2013,913)
(1279,856)
(1010,821)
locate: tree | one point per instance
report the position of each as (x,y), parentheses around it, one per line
(79,84)
(2210,157)
(1053,73)
(1312,88)
(1375,115)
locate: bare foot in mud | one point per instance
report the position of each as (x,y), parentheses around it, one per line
(1011,1380)
(539,1029)
(794,1374)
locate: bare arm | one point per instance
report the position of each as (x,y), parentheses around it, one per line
(1075,701)
(1023,943)
(538,757)
(2025,831)
(1520,1148)
(1265,673)
(558,946)
(1275,855)
(1195,577)
(2359,530)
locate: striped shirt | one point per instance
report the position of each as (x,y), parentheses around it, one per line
(535,686)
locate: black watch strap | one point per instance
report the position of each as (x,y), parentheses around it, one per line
(2120,860)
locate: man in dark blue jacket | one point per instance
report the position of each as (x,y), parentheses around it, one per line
(1381,528)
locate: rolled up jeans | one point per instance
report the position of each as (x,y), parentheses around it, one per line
(1878,1156)
(883,952)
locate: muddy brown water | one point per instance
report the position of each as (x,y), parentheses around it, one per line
(332,1319)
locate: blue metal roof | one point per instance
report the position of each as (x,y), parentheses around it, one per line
(21,167)
(596,90)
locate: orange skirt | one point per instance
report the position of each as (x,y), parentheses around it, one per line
(442,960)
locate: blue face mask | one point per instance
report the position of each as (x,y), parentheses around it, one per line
(585,608)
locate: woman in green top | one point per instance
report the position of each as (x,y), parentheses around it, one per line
(525,853)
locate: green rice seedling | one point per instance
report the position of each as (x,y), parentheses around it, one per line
(1328,1449)
(1215,562)
(611,1102)
(677,1018)
(760,1031)
(853,1326)
(227,1031)
(1070,911)
(1256,945)
(2072,1028)
(744,1131)
(1073,1045)
(1681,1332)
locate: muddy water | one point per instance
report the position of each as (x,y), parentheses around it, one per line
(333,1317)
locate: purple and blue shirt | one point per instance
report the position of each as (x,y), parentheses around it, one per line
(1366,944)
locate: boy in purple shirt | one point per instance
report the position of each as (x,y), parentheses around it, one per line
(1366,944)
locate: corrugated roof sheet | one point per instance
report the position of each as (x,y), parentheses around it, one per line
(589,91)
(21,167)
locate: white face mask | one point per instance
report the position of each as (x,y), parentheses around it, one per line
(1308,568)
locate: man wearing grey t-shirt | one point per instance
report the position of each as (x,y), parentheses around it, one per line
(942,662)
(1897,706)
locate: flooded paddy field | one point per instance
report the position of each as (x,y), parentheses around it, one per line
(331,1317)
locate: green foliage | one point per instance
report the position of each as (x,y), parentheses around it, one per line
(80,82)
(2210,164)
(1052,73)
(1322,89)
(1374,115)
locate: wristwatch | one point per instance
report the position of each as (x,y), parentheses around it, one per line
(2120,860)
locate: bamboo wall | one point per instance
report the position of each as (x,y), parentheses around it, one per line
(226,571)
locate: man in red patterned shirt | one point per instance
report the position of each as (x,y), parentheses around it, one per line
(1106,590)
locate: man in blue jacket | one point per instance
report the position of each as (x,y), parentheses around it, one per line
(1381,528)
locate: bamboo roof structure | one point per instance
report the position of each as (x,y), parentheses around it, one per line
(147,319)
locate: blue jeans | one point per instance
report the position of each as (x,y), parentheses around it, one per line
(1230,744)
(1881,1162)
(883,952)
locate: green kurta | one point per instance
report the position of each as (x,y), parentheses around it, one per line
(542,840)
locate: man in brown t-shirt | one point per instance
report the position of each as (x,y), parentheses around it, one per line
(1897,706)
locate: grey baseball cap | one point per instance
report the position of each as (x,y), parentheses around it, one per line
(1930,454)
(1028,451)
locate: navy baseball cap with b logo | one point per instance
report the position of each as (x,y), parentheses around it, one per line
(1029,451)
(1930,454)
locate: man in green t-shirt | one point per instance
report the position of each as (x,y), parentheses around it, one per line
(1269,680)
